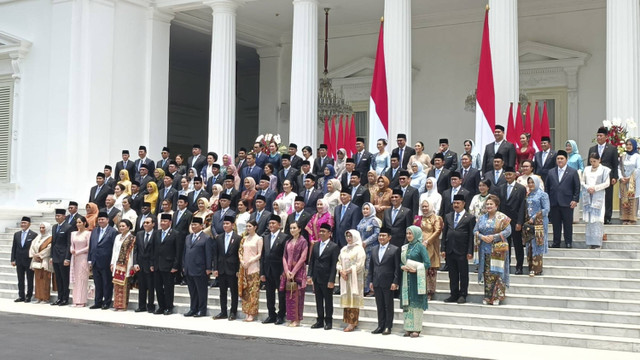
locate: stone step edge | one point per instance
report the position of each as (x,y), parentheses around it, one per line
(542,286)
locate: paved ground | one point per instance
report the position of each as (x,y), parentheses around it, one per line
(35,337)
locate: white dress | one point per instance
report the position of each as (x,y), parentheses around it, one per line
(117,244)
(241,222)
(593,204)
(631,166)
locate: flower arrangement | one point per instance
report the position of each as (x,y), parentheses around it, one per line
(266,139)
(618,132)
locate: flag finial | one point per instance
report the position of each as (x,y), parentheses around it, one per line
(487,7)
(381,18)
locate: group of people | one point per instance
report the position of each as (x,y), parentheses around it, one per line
(371,225)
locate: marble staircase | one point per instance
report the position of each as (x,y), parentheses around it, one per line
(586,298)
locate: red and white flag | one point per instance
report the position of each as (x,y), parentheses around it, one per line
(485,95)
(378,104)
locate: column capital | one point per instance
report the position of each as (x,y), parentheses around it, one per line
(305,1)
(269,51)
(229,6)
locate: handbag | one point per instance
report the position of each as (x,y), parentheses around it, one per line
(528,232)
(501,247)
(291,285)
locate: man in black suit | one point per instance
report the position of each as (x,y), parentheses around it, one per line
(196,160)
(143,160)
(496,176)
(403,151)
(180,224)
(264,190)
(609,158)
(110,208)
(145,212)
(563,187)
(177,177)
(226,265)
(261,216)
(167,247)
(73,215)
(410,195)
(450,157)
(345,179)
(346,217)
(397,218)
(136,197)
(362,159)
(545,159)
(143,264)
(393,173)
(126,164)
(305,170)
(449,194)
(197,193)
(322,274)
(196,265)
(310,194)
(218,219)
(271,269)
(359,194)
(441,173)
(242,159)
(383,279)
(98,193)
(164,162)
(215,178)
(288,172)
(470,177)
(252,170)
(296,161)
(229,189)
(144,178)
(457,248)
(20,258)
(499,146)
(321,161)
(100,251)
(61,256)
(300,216)
(167,193)
(108,179)
(513,204)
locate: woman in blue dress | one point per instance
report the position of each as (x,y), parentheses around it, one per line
(369,228)
(537,214)
(491,232)
(382,160)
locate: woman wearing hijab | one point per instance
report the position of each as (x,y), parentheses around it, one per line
(204,212)
(216,189)
(575,161)
(418,178)
(79,271)
(431,195)
(593,183)
(249,193)
(92,215)
(413,298)
(381,199)
(323,182)
(341,162)
(537,215)
(629,178)
(470,149)
(279,208)
(322,216)
(332,196)
(224,168)
(420,157)
(124,180)
(152,196)
(230,169)
(431,225)
(369,229)
(350,266)
(40,254)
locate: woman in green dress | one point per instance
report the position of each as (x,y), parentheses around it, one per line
(415,262)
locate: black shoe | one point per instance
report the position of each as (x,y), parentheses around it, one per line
(568,246)
(27,300)
(199,314)
(607,222)
(451,299)
(151,310)
(336,290)
(22,300)
(141,310)
(220,316)
(328,327)
(317,325)
(462,300)
(159,311)
(269,320)
(168,311)
(106,306)
(189,313)
(387,331)
(63,303)
(55,303)
(232,316)
(554,246)
(378,330)
(518,271)
(95,306)
(279,321)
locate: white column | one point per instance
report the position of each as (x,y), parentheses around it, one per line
(303,129)
(397,49)
(222,93)
(269,103)
(623,77)
(503,35)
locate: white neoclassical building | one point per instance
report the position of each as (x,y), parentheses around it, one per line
(80,80)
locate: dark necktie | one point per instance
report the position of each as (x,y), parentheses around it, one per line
(146,239)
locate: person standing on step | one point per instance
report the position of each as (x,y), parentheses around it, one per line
(226,264)
(100,251)
(594,183)
(61,256)
(383,279)
(142,263)
(167,245)
(457,248)
(271,269)
(512,203)
(20,258)
(322,274)
(198,256)
(608,157)
(563,187)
